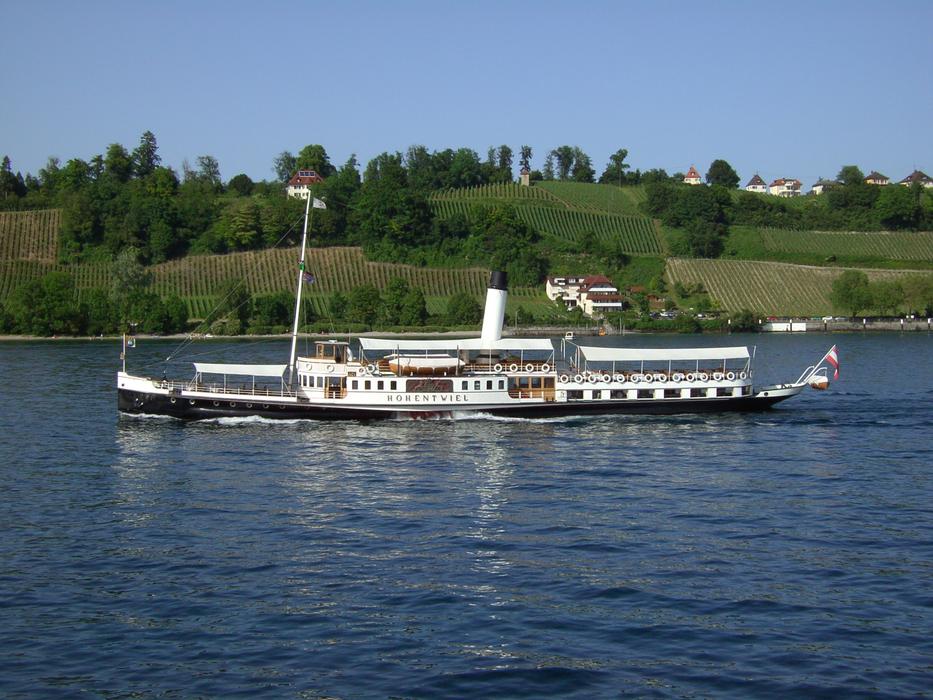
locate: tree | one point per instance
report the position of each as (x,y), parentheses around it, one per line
(146,157)
(918,293)
(234,305)
(705,238)
(241,184)
(337,305)
(564,155)
(393,298)
(851,292)
(897,208)
(887,296)
(414,308)
(744,321)
(363,305)
(314,157)
(118,164)
(851,175)
(525,158)
(284,166)
(209,172)
(548,173)
(582,170)
(614,174)
(463,310)
(721,173)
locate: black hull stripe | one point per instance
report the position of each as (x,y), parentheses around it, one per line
(155,404)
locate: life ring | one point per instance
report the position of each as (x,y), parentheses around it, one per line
(731,376)
(498,367)
(329,368)
(529,367)
(593,378)
(661,377)
(564,379)
(620,377)
(607,378)
(371,368)
(249,405)
(578,378)
(363,371)
(191,401)
(545,367)
(265,405)
(513,367)
(635,377)
(717,376)
(691,377)
(703,377)
(742,375)
(232,404)
(172,399)
(217,403)
(648,378)
(677,377)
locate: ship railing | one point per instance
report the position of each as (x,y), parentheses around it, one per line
(214,388)
(546,394)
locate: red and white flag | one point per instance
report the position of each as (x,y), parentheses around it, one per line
(832,357)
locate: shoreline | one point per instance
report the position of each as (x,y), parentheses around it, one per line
(865,326)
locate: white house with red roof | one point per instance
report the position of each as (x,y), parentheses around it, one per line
(785,187)
(592,293)
(756,184)
(693,177)
(300,184)
(917,176)
(876,178)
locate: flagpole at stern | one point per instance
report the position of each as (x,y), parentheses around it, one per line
(301,271)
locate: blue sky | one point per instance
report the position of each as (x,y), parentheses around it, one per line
(797,91)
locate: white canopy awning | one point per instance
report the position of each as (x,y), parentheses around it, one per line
(600,354)
(241,370)
(409,346)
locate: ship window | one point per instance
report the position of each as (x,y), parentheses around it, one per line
(393,385)
(672,393)
(697,393)
(646,393)
(746,390)
(320,382)
(354,384)
(464,386)
(501,384)
(367,385)
(617,394)
(380,385)
(724,391)
(536,382)
(576,394)
(489,385)
(476,386)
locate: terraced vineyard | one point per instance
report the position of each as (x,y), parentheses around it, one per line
(767,287)
(608,199)
(855,244)
(506,191)
(30,235)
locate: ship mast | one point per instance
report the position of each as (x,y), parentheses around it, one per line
(301,274)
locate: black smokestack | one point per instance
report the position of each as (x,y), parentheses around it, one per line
(498,280)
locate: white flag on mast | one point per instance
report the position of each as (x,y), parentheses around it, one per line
(317,203)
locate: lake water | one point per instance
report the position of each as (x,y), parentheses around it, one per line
(781,554)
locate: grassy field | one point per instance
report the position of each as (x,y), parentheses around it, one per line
(767,287)
(30,235)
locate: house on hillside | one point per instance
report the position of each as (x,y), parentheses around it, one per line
(785,187)
(693,177)
(756,184)
(821,186)
(917,176)
(300,184)
(655,303)
(876,178)
(593,294)
(525,177)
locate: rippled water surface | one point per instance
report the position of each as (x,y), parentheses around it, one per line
(781,554)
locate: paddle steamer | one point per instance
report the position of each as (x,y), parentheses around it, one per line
(378,378)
